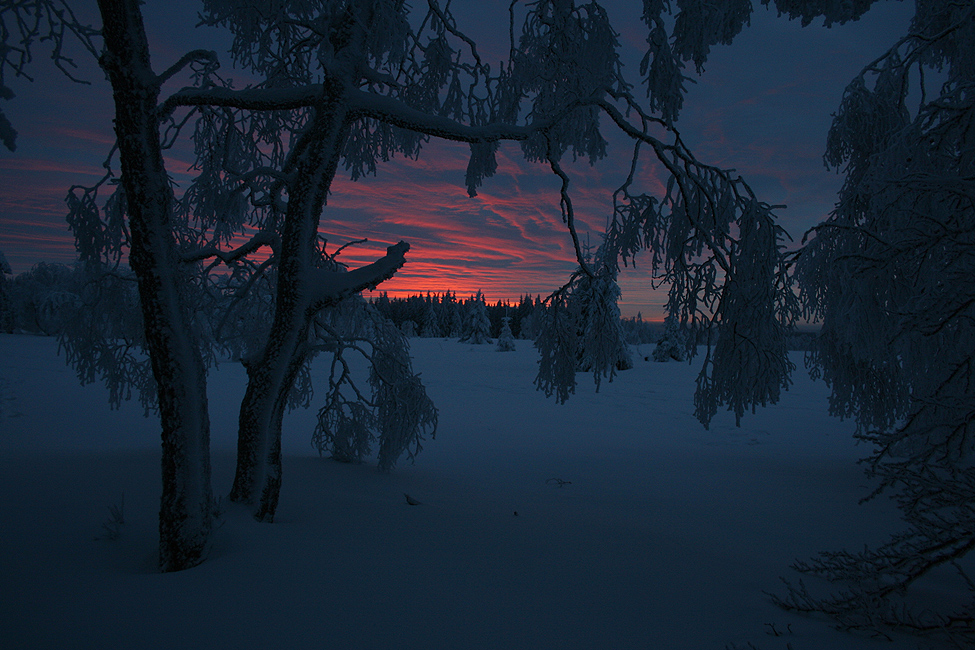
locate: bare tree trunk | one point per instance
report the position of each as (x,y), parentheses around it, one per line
(270,379)
(186,506)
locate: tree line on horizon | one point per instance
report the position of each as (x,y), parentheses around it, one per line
(41,299)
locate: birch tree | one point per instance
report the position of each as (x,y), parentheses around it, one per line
(355,83)
(890,276)
(348,84)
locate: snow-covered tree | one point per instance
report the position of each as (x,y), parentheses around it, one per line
(673,344)
(6,316)
(890,276)
(506,340)
(454,321)
(477,325)
(348,84)
(40,299)
(581,330)
(431,321)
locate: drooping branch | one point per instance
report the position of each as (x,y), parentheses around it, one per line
(568,212)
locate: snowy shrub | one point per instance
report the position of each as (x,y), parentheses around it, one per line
(477,325)
(506,340)
(672,346)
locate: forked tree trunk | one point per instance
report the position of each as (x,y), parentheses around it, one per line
(186,506)
(271,377)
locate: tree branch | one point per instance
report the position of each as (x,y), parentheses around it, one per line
(257,99)
(204,56)
(397,113)
(262,238)
(329,287)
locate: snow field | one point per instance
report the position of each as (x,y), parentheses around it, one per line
(663,535)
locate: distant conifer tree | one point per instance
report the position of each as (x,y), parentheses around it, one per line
(477,328)
(506,340)
(431,322)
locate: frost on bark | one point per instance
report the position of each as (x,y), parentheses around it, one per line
(186,505)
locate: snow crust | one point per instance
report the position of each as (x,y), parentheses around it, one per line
(662,535)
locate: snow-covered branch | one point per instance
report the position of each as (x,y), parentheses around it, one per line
(206,57)
(330,286)
(262,238)
(396,113)
(255,99)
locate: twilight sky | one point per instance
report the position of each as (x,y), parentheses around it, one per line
(762,107)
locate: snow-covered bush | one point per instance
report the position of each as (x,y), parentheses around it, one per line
(477,325)
(506,340)
(672,346)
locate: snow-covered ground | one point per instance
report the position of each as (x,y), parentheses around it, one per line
(662,535)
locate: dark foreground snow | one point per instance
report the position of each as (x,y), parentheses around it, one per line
(662,536)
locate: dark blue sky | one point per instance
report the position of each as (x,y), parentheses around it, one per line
(762,107)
